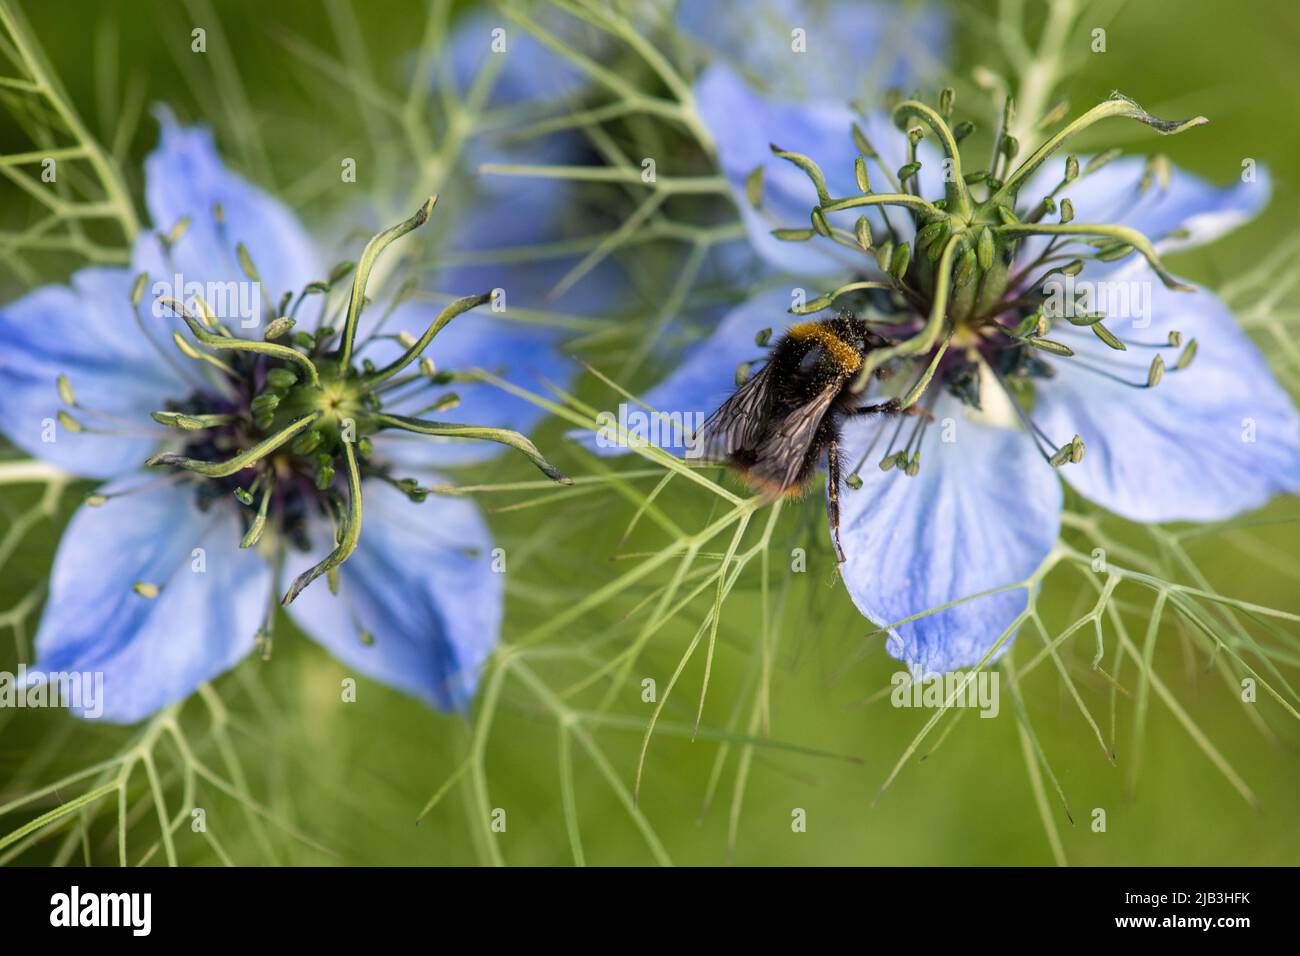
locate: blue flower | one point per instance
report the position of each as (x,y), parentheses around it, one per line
(979,509)
(150,584)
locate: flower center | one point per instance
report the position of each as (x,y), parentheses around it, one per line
(985,282)
(284,423)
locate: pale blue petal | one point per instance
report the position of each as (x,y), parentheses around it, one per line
(745,124)
(185,177)
(86,332)
(853,49)
(982,513)
(151,652)
(421,584)
(1212,440)
(1113,195)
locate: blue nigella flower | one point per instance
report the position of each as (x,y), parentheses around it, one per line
(150,584)
(963,501)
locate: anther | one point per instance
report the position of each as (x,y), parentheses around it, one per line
(1156,372)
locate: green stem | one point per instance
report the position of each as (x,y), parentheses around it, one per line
(46,82)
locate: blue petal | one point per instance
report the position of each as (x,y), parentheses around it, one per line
(85,331)
(421,584)
(1112,195)
(853,49)
(982,513)
(151,652)
(1212,440)
(184,177)
(704,378)
(745,124)
(528,70)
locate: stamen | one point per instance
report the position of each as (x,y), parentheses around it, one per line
(891,456)
(1087,366)
(278,328)
(853,475)
(445,403)
(1071,451)
(827,300)
(192,422)
(99,498)
(128,430)
(240,345)
(189,351)
(254,533)
(250,270)
(1046,447)
(1156,372)
(137,296)
(69,397)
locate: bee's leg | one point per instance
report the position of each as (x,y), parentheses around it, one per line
(892,407)
(833,493)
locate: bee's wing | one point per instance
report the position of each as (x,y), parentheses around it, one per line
(739,422)
(780,457)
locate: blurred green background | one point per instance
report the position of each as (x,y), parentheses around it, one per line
(352,778)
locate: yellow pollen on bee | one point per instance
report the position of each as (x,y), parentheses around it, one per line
(840,352)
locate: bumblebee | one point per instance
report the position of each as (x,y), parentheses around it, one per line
(777,426)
